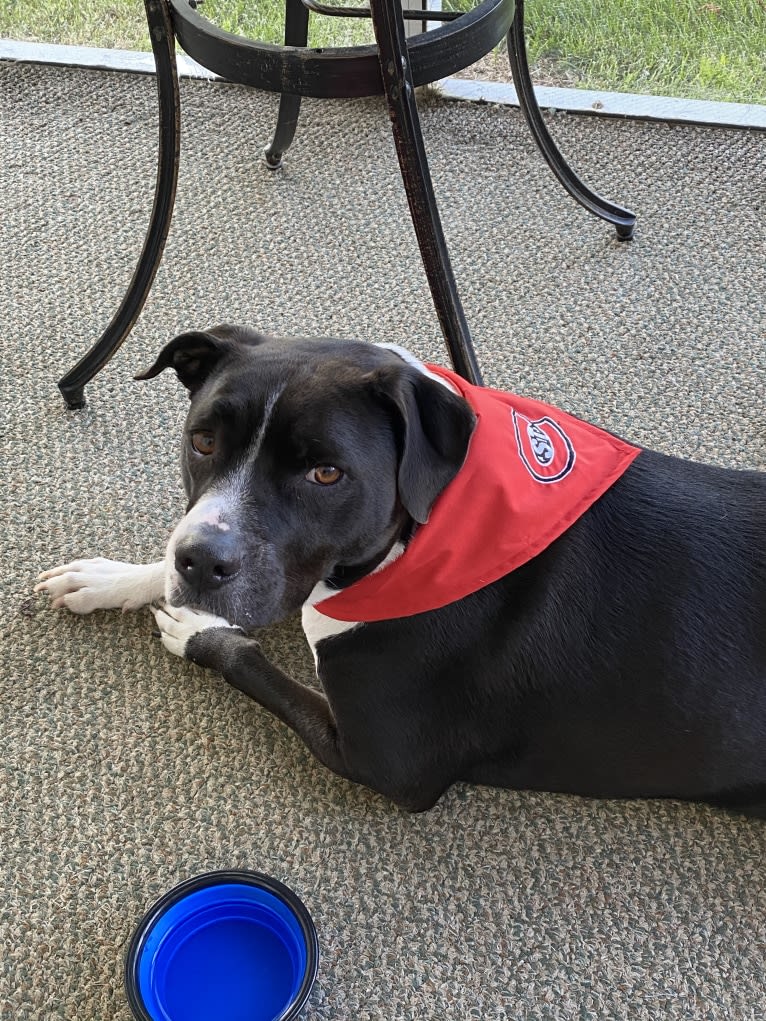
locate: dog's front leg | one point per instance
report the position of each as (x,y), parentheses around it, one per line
(100,584)
(212,642)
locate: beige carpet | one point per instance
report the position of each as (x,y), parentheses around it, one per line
(123,770)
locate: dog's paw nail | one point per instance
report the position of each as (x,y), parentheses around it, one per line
(156,634)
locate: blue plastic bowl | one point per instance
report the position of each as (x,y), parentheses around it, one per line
(223,946)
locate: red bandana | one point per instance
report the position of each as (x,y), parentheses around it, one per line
(531,471)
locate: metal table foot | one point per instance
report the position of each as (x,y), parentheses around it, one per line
(623,219)
(296,34)
(72,385)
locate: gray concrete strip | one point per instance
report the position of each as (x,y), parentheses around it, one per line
(614,104)
(94,57)
(605,104)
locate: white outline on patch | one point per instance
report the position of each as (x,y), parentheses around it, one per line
(545,446)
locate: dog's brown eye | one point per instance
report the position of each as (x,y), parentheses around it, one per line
(203,442)
(324,475)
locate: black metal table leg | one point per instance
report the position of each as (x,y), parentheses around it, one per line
(72,385)
(623,220)
(400,93)
(296,34)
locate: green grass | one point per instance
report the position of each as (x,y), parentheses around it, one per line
(121,24)
(688,48)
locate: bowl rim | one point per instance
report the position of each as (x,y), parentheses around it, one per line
(244,877)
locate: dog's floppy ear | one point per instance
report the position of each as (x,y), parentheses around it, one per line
(193,355)
(435,427)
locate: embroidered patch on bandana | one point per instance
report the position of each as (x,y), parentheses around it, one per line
(544,448)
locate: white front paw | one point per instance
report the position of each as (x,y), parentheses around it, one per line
(178,624)
(101,584)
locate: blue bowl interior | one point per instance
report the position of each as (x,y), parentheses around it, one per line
(229,952)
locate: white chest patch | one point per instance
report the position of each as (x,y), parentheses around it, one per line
(316,626)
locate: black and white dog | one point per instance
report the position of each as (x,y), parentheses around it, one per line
(619,653)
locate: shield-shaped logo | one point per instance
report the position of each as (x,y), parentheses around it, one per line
(544,448)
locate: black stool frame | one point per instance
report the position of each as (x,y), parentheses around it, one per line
(394,67)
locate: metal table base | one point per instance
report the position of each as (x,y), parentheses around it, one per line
(394,67)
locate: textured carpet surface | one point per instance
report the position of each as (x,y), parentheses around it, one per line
(123,770)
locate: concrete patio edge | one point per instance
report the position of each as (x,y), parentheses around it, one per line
(604,104)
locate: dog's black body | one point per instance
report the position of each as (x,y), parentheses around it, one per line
(626,660)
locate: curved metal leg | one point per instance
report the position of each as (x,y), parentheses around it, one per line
(72,385)
(296,34)
(623,220)
(400,93)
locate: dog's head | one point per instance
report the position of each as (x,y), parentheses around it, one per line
(303,461)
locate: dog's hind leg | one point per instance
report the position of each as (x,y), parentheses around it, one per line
(100,584)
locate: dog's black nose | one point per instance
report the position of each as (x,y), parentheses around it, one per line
(207,560)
